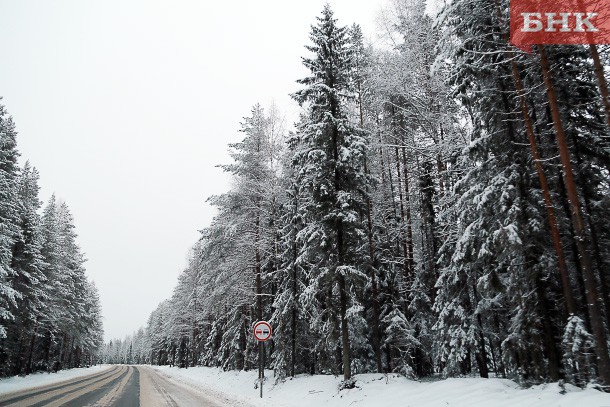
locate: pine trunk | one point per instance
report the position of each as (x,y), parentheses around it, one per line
(601,80)
(597,253)
(594,308)
(568,292)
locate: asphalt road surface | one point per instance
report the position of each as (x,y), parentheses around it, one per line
(119,386)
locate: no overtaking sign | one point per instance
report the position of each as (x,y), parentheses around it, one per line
(262,331)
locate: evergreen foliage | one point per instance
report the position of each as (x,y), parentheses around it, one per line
(50,316)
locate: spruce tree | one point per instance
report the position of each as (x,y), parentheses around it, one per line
(288,319)
(331,176)
(29,279)
(9,215)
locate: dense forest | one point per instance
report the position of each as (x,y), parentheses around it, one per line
(440,208)
(50,315)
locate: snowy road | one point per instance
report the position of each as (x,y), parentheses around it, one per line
(120,386)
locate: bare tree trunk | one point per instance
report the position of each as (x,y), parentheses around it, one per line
(70,351)
(481,354)
(376,312)
(390,178)
(594,308)
(257,270)
(441,167)
(347,368)
(345,342)
(568,292)
(293,322)
(391,198)
(570,305)
(601,80)
(554,362)
(369,209)
(410,259)
(405,251)
(597,256)
(31,350)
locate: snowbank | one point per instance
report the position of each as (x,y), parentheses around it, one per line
(17,383)
(377,390)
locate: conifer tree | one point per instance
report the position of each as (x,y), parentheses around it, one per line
(9,215)
(288,318)
(50,314)
(29,279)
(497,222)
(331,176)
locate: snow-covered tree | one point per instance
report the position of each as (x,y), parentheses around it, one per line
(50,314)
(330,164)
(9,215)
(28,279)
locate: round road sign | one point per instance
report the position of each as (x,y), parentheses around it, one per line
(262,331)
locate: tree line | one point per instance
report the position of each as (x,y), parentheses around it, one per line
(441,208)
(50,316)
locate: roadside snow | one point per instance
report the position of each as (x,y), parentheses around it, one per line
(17,383)
(375,390)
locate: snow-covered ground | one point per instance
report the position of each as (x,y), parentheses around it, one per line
(377,390)
(17,383)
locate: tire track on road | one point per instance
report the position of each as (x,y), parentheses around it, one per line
(131,392)
(60,398)
(159,390)
(124,386)
(117,392)
(149,400)
(14,397)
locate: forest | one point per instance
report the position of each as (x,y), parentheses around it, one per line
(439,209)
(50,314)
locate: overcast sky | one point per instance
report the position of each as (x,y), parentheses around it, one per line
(127,106)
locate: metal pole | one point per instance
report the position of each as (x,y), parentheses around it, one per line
(261,365)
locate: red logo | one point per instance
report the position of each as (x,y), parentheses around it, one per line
(559,22)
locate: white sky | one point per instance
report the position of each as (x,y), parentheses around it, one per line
(125,107)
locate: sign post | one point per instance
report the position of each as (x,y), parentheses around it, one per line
(262,332)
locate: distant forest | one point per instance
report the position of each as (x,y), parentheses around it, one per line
(441,209)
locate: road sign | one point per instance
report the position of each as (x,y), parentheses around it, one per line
(262,331)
